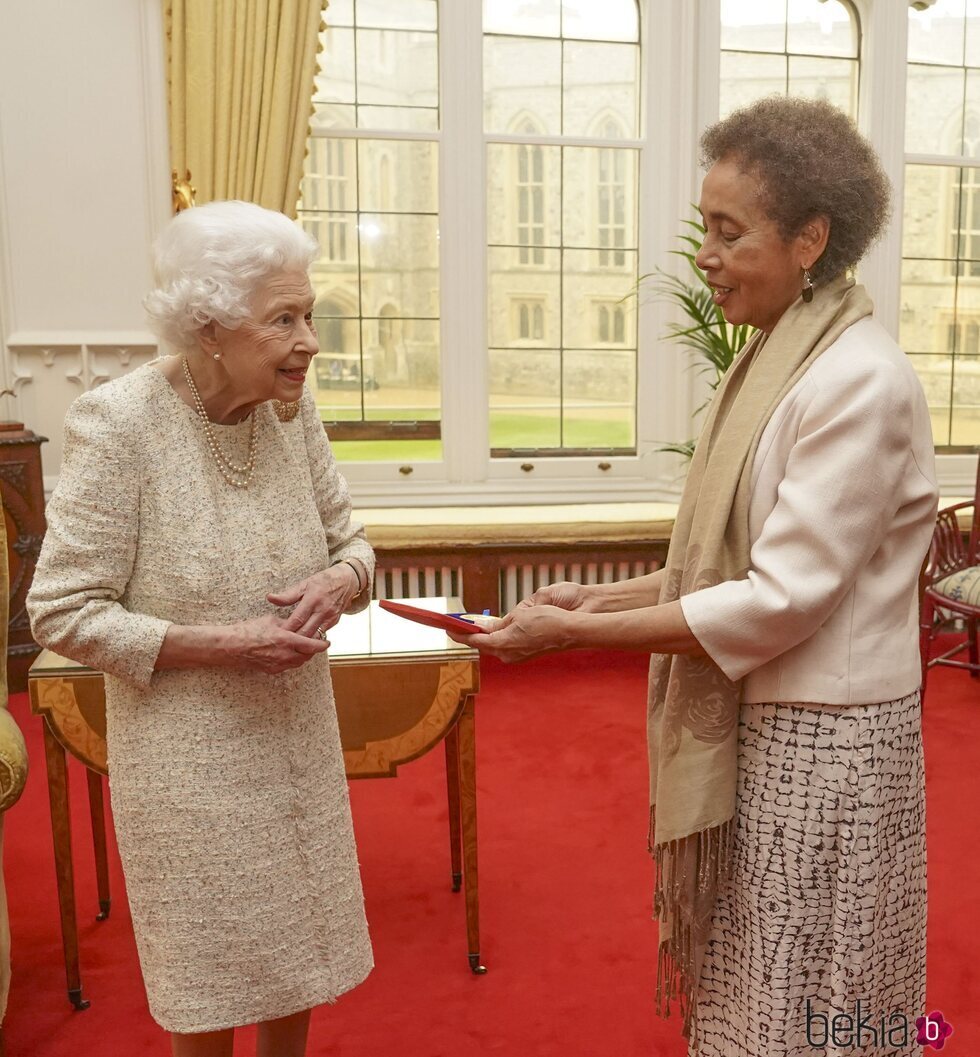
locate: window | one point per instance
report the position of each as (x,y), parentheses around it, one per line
(610,324)
(476,254)
(370,196)
(963,336)
(940,293)
(964,225)
(562,114)
(327,191)
(529,184)
(544,214)
(789,47)
(611,197)
(528,319)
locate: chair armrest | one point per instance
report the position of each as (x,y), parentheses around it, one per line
(13,761)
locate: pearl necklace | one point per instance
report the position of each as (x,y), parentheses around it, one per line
(239,476)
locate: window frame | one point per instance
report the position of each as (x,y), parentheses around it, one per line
(881,117)
(680,42)
(665,387)
(956,463)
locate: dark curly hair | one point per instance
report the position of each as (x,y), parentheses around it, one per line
(810,160)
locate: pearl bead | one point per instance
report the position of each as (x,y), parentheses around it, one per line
(239,476)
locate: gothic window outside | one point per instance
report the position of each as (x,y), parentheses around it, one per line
(562,122)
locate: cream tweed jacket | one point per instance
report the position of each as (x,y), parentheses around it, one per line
(843,508)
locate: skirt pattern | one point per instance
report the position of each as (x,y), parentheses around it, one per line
(825,907)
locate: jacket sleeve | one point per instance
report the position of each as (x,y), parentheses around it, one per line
(76,601)
(345,536)
(834,505)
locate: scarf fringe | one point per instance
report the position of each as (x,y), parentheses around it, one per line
(677,962)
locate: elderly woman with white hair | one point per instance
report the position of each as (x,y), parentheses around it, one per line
(200,546)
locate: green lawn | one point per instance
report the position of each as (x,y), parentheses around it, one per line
(541,430)
(507,430)
(388,450)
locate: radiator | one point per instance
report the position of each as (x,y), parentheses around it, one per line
(418,582)
(517,581)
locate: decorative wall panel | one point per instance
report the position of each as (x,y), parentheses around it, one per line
(48,372)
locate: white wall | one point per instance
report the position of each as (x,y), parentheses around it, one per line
(84,186)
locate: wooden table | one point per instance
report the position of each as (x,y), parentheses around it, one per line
(400,689)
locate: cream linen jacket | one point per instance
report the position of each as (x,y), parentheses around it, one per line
(843,506)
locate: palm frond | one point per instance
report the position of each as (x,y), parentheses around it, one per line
(712,342)
(685,448)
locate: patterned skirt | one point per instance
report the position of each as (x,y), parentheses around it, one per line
(826,904)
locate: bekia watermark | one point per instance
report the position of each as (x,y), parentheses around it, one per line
(863,1028)
(933,1030)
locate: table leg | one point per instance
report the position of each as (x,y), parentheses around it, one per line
(481,585)
(96,808)
(452,782)
(466,732)
(61,830)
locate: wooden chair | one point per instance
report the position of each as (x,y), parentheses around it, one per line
(951,586)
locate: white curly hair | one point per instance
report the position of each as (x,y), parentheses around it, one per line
(209,260)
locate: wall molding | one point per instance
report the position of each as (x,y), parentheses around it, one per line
(86,363)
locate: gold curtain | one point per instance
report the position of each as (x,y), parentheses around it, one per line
(240,89)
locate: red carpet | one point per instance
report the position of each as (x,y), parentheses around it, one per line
(564,878)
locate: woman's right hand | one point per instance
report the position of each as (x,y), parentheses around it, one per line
(564,595)
(263,644)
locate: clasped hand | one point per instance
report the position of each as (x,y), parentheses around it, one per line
(264,644)
(319,601)
(273,644)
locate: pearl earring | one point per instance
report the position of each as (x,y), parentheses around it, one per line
(217,355)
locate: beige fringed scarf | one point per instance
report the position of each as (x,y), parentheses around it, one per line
(693,707)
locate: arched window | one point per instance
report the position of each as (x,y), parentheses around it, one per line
(611,216)
(789,47)
(337,177)
(529,186)
(610,324)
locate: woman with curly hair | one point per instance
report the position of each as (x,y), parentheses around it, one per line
(787,821)
(200,546)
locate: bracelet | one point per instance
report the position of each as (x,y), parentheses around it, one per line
(357,574)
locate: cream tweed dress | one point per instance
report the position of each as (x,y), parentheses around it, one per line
(228,786)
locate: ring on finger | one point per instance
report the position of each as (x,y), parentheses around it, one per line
(321,632)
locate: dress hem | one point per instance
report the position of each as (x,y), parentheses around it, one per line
(277,1014)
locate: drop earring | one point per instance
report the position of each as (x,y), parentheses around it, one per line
(807,286)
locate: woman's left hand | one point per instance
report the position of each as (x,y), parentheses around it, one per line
(524,633)
(320,599)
